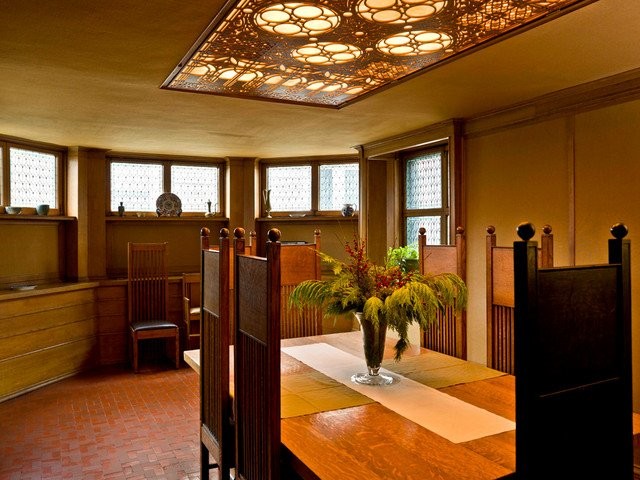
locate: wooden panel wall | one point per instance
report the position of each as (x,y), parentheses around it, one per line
(30,252)
(45,337)
(183,236)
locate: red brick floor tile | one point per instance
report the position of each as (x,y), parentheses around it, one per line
(107,424)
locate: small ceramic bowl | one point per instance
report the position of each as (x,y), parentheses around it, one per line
(13,210)
(42,210)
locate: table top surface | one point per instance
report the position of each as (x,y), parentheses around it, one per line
(369,440)
(373,442)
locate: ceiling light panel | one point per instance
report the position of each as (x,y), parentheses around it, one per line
(332,52)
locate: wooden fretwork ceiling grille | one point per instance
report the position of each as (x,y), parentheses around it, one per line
(330,52)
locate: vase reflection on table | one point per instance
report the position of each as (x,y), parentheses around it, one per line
(373,338)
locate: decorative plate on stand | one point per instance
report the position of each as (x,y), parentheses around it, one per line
(168,205)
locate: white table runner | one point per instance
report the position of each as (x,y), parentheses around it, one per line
(443,414)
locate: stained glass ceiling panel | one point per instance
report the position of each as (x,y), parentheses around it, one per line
(332,52)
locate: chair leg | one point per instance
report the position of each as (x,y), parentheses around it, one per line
(134,348)
(178,349)
(204,462)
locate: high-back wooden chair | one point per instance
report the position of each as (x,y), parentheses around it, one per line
(216,407)
(191,308)
(573,365)
(257,362)
(500,298)
(148,297)
(299,262)
(449,335)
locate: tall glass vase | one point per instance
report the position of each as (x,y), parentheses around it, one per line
(373,337)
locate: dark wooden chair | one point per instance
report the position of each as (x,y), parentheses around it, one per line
(500,298)
(449,335)
(216,406)
(573,365)
(299,261)
(148,297)
(257,361)
(191,309)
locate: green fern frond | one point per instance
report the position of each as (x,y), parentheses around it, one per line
(373,310)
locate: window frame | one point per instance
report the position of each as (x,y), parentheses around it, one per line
(5,172)
(166,164)
(444,212)
(314,163)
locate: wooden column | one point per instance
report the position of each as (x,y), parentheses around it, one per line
(242,182)
(86,200)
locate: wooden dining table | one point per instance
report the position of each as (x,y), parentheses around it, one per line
(330,431)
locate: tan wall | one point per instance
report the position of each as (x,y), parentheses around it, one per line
(526,173)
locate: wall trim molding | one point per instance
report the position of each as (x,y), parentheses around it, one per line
(620,88)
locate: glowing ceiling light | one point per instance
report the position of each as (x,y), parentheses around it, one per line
(414,43)
(329,52)
(297,19)
(399,11)
(326,53)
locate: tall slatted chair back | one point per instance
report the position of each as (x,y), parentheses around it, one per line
(148,297)
(257,362)
(299,262)
(573,365)
(449,335)
(216,407)
(500,297)
(191,309)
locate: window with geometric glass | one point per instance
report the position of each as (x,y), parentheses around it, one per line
(33,177)
(339,184)
(138,184)
(426,195)
(195,186)
(315,187)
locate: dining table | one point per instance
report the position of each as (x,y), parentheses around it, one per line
(442,418)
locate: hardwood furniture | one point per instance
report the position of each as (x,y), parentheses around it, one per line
(216,409)
(573,365)
(449,335)
(148,291)
(300,261)
(500,297)
(257,362)
(370,440)
(191,308)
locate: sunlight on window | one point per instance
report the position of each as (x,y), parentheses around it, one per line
(33,178)
(136,185)
(339,184)
(290,188)
(195,185)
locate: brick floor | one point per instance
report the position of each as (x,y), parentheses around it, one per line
(106,424)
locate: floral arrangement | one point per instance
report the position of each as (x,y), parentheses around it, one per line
(386,294)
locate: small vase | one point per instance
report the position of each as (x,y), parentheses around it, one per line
(266,196)
(121,210)
(373,337)
(348,210)
(42,210)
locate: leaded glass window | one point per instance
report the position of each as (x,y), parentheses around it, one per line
(426,195)
(290,188)
(136,185)
(33,177)
(424,181)
(432,224)
(339,184)
(195,185)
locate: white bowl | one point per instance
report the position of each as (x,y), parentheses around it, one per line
(13,210)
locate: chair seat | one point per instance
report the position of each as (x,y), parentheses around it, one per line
(194,311)
(152,325)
